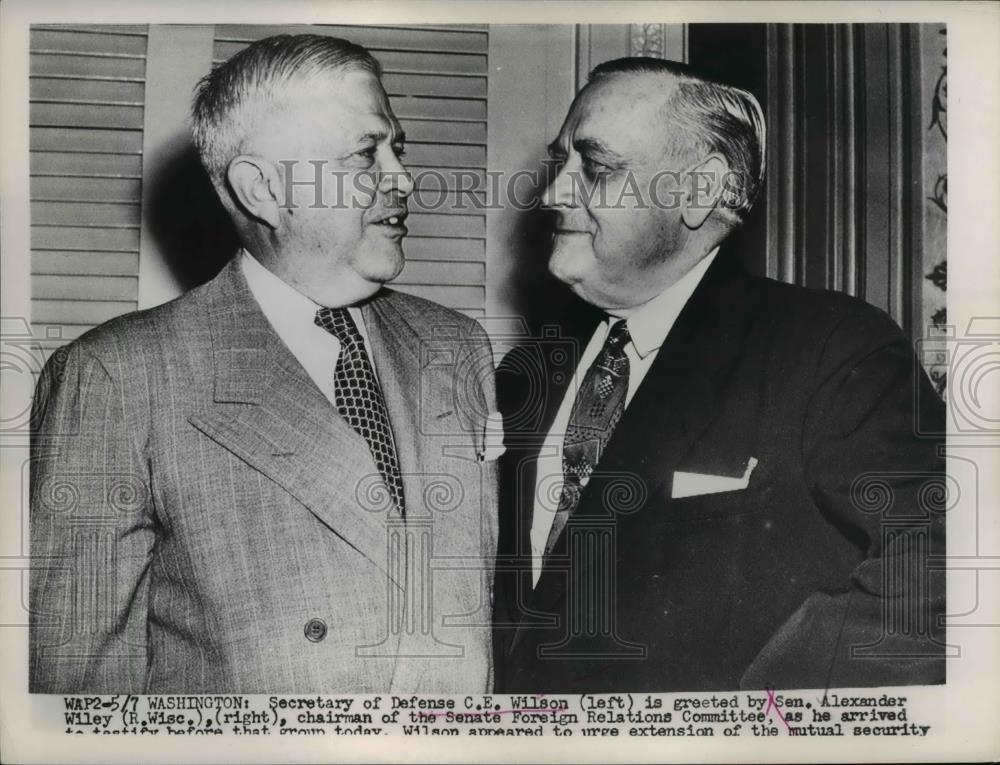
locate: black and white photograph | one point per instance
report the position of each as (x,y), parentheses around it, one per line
(380,374)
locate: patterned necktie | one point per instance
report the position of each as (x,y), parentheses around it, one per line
(599,404)
(359,397)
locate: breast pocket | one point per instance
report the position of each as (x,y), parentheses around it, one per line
(722,504)
(716,483)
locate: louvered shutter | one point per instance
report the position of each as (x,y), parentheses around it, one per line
(87,92)
(436,81)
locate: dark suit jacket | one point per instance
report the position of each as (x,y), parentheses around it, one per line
(815,575)
(203,520)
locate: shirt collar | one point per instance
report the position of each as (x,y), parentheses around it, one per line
(649,325)
(276,298)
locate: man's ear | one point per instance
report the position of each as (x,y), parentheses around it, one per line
(256,185)
(703,187)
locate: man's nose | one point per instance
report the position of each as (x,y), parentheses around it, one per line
(394,177)
(560,193)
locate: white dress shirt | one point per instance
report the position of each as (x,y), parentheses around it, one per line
(648,327)
(293,315)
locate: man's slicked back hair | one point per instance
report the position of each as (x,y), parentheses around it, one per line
(229,99)
(714,117)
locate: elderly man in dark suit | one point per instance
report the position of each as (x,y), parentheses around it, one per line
(718,485)
(242,490)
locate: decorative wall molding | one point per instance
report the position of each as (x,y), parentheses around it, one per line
(646,40)
(845,146)
(667,41)
(934,103)
(596,43)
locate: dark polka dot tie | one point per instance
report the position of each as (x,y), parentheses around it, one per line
(599,403)
(359,397)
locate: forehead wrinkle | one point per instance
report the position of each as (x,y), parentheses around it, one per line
(325,112)
(614,104)
(343,90)
(389,131)
(604,143)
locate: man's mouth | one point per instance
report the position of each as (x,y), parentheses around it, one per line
(392,219)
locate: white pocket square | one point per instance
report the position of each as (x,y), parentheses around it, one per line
(492,438)
(696,484)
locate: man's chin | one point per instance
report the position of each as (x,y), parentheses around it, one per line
(383,265)
(566,263)
(578,282)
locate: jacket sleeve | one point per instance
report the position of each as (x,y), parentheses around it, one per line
(485,372)
(92,533)
(881,483)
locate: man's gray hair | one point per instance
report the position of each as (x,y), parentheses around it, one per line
(715,117)
(229,100)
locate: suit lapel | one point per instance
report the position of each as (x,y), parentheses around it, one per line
(415,392)
(673,405)
(529,411)
(394,349)
(418,363)
(677,399)
(269,413)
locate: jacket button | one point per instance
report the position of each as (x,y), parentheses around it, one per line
(315,630)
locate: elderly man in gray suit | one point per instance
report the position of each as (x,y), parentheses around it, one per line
(275,483)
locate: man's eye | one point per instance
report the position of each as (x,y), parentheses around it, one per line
(367,153)
(593,168)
